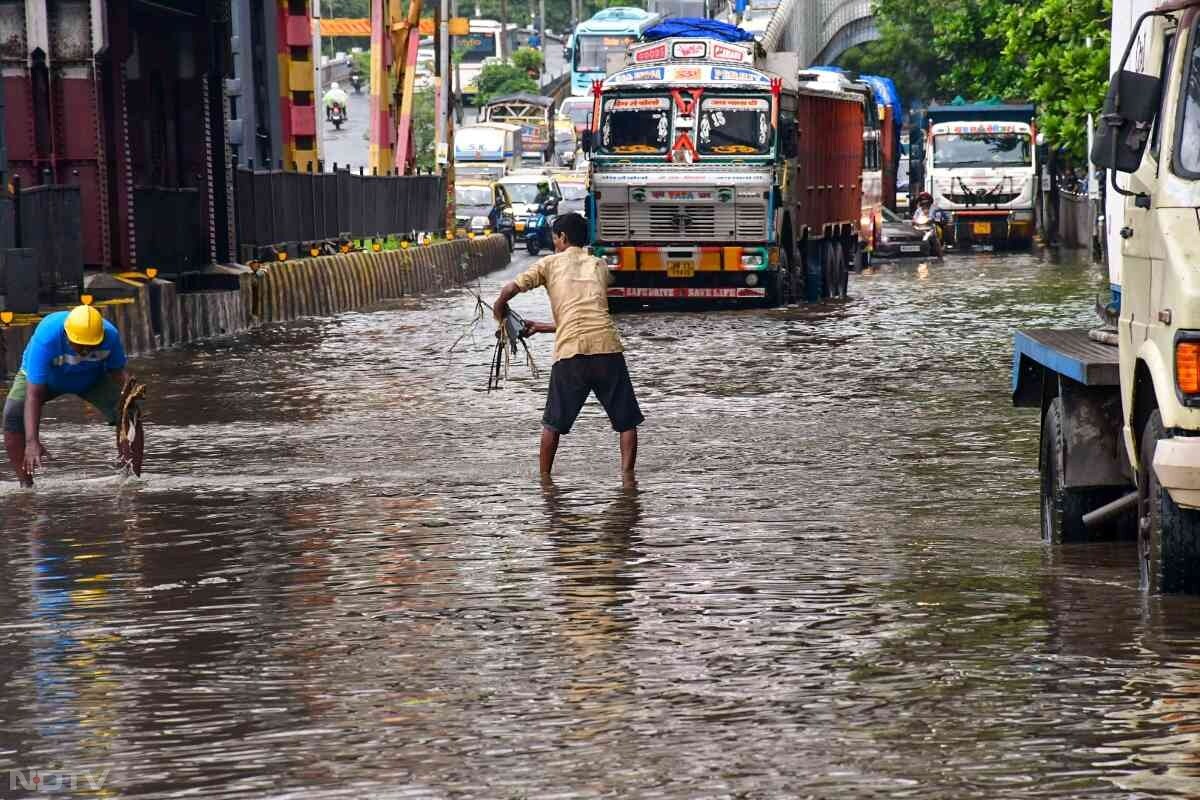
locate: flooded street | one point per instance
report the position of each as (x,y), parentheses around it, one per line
(341,576)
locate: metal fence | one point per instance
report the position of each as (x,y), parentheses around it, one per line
(281,208)
(50,223)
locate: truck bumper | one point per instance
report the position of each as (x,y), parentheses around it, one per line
(1177,464)
(656,286)
(989,228)
(648,273)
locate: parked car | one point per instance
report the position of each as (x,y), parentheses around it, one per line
(901,239)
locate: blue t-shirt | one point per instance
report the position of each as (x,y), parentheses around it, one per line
(50,360)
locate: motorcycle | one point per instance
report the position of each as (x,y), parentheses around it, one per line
(356,80)
(537,230)
(931,229)
(337,115)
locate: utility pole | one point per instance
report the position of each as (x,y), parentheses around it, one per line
(504,54)
(445,84)
(318,104)
(542,34)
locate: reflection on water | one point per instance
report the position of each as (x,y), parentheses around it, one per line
(341,576)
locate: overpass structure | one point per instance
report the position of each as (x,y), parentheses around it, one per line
(819,31)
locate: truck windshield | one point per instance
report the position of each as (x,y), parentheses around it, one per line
(472,196)
(734,126)
(981,150)
(635,125)
(591,52)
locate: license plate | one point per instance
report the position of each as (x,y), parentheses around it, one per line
(680,269)
(910,248)
(981,228)
(520,227)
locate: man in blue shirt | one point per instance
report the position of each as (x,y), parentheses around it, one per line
(76,352)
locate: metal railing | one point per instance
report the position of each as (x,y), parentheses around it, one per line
(289,209)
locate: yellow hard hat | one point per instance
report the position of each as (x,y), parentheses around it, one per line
(85,326)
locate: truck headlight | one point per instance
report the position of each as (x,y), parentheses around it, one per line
(479,222)
(1022,216)
(612,259)
(753,261)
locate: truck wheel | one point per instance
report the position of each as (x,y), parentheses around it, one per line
(1168,536)
(843,284)
(828,270)
(813,272)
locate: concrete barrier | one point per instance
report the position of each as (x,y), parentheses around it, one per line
(156,315)
(333,284)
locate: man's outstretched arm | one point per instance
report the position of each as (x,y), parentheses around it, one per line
(508,292)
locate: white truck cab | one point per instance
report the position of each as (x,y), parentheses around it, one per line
(1121,408)
(981,169)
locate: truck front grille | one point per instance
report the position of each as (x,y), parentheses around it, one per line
(751,222)
(681,222)
(612,221)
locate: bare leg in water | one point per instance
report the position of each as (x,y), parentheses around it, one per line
(551,438)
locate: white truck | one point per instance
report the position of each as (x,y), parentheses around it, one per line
(1120,408)
(981,169)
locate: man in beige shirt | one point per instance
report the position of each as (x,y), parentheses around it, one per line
(588,356)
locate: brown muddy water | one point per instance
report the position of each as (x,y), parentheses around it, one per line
(341,577)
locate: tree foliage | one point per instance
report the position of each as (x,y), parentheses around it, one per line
(424,129)
(501,79)
(528,59)
(1014,50)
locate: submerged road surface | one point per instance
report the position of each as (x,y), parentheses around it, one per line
(341,577)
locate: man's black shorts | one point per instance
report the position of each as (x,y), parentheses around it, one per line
(572,379)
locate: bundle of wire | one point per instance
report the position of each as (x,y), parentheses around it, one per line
(509,337)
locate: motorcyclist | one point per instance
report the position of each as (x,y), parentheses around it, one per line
(356,80)
(927,217)
(336,96)
(543,197)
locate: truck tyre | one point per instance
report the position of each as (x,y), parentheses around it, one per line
(843,273)
(1168,536)
(828,270)
(1062,508)
(814,270)
(531,245)
(780,286)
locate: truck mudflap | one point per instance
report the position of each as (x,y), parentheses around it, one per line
(1177,464)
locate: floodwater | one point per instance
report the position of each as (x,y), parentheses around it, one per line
(341,577)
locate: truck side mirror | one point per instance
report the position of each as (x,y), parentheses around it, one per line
(585,142)
(1129,111)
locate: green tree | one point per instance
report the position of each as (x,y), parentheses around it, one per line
(528,60)
(1014,50)
(424,129)
(501,79)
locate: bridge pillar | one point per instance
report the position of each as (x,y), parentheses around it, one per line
(297,84)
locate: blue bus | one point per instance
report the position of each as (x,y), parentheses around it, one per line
(610,31)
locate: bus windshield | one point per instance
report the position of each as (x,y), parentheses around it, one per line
(591,52)
(981,150)
(635,125)
(735,126)
(475,47)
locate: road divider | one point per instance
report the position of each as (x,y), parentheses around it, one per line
(153,314)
